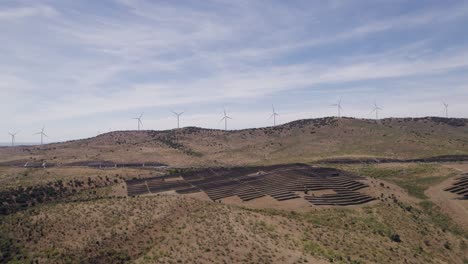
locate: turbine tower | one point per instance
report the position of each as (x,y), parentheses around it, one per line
(139,120)
(178,117)
(338,106)
(42,134)
(376,109)
(446,109)
(13,140)
(225,118)
(274,115)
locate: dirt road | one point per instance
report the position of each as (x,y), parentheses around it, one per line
(449,202)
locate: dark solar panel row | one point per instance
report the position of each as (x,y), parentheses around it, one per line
(341,199)
(279,182)
(460,186)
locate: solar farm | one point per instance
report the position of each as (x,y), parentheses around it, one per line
(460,187)
(281,182)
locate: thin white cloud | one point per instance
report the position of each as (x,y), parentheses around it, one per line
(15,13)
(235,86)
(147,54)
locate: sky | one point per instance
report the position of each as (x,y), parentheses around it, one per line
(85,67)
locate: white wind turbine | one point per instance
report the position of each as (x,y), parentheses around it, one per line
(274,115)
(178,117)
(376,109)
(42,134)
(446,109)
(139,120)
(225,118)
(338,105)
(13,139)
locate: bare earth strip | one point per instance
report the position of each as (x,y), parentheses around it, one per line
(449,202)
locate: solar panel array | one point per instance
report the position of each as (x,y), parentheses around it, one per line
(248,183)
(460,186)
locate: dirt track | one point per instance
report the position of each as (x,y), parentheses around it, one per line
(447,158)
(449,202)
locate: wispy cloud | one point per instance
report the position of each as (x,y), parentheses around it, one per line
(15,13)
(77,61)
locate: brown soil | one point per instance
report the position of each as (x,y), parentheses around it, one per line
(448,202)
(268,202)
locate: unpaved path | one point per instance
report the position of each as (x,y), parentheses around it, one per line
(449,202)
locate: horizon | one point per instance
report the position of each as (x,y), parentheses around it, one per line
(85,67)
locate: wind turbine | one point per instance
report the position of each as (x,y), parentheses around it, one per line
(13,140)
(338,105)
(376,110)
(178,117)
(225,118)
(139,120)
(274,115)
(446,109)
(42,134)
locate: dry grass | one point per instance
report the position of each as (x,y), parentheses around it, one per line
(11,178)
(177,229)
(91,225)
(300,141)
(414,178)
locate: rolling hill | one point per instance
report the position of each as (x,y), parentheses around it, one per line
(299,141)
(70,204)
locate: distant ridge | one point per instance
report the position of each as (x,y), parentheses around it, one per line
(8,144)
(306,140)
(301,122)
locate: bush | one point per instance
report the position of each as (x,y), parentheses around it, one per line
(395,238)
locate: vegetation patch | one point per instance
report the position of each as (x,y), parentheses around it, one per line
(442,220)
(414,178)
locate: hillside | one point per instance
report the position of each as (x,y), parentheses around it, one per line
(178,229)
(338,212)
(298,141)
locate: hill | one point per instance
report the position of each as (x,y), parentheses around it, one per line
(70,203)
(178,229)
(299,141)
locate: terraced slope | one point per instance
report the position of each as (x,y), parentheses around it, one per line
(460,187)
(281,182)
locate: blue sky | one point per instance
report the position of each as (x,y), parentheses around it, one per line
(83,67)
